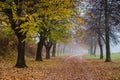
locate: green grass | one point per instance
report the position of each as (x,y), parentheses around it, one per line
(92,57)
(114,56)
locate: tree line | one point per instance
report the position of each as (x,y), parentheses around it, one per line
(52,21)
(103,20)
(48,21)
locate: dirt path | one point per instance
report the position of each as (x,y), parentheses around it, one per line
(73,67)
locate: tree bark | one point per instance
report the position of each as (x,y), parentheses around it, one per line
(63,49)
(48,45)
(21,53)
(54,50)
(101,47)
(21,45)
(39,49)
(95,45)
(100,37)
(91,46)
(107,33)
(47,52)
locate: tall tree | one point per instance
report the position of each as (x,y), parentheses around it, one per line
(16,11)
(105,12)
(7,8)
(54,50)
(53,18)
(48,45)
(107,32)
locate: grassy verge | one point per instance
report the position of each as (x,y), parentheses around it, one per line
(114,56)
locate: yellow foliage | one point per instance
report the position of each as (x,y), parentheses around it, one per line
(56,9)
(4,23)
(80,20)
(40,15)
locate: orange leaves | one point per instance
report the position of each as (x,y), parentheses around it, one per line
(106,71)
(63,68)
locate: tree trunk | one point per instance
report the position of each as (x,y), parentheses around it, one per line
(107,33)
(101,47)
(21,53)
(95,48)
(57,49)
(39,49)
(48,45)
(21,45)
(54,50)
(47,52)
(91,46)
(100,34)
(63,49)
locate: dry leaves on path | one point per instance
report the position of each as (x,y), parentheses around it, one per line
(73,67)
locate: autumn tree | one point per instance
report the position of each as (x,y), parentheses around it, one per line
(16,11)
(7,8)
(53,16)
(54,49)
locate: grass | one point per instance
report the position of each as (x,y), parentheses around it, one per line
(92,57)
(114,56)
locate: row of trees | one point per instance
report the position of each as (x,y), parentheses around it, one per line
(103,19)
(49,21)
